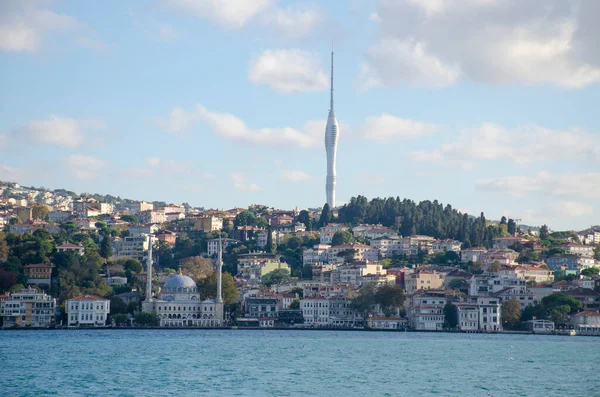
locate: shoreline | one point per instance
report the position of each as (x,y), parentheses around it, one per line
(564,333)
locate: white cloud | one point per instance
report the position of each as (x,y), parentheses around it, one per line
(293,22)
(152,161)
(558,213)
(11,174)
(233,14)
(393,61)
(522,145)
(367,178)
(386,127)
(56,130)
(295,176)
(84,167)
(231,127)
(436,42)
(566,185)
(137,172)
(288,70)
(24,25)
(239,183)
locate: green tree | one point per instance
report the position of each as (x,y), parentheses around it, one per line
(597,252)
(117,305)
(133,219)
(559,314)
(106,247)
(390,299)
(364,302)
(537,311)
(342,237)
(295,304)
(457,284)
(553,301)
(208,288)
(590,271)
(544,232)
(512,227)
(511,314)
(131,265)
(326,216)
(348,254)
(120,319)
(4,251)
(450,316)
(40,212)
(494,267)
(145,319)
(304,218)
(197,267)
(245,218)
(276,277)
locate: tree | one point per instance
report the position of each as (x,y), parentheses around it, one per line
(295,304)
(106,247)
(494,267)
(245,218)
(304,218)
(7,279)
(390,299)
(197,267)
(511,313)
(120,319)
(4,251)
(512,227)
(208,288)
(40,212)
(133,219)
(450,316)
(553,301)
(457,283)
(364,302)
(537,311)
(349,254)
(597,252)
(117,305)
(131,265)
(147,319)
(342,237)
(326,216)
(544,232)
(590,271)
(276,277)
(559,313)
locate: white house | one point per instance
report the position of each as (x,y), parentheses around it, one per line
(87,311)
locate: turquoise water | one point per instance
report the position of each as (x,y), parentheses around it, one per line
(294,363)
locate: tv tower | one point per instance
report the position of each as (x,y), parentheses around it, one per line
(331,142)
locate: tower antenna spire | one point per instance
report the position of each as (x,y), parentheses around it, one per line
(331,104)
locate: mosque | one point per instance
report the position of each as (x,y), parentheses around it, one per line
(179,304)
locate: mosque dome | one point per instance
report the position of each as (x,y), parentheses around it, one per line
(180,283)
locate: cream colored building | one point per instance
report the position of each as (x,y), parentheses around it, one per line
(423,280)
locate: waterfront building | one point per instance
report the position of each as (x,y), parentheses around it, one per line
(261,307)
(28,308)
(87,311)
(482,314)
(179,304)
(426,310)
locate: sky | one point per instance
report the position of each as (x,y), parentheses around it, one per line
(486,105)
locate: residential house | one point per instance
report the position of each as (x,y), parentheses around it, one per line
(447,245)
(505,242)
(472,254)
(143,229)
(570,262)
(578,249)
(38,273)
(316,254)
(588,297)
(167,236)
(586,322)
(60,216)
(387,246)
(28,308)
(213,245)
(140,206)
(87,311)
(423,280)
(481,313)
(152,216)
(426,310)
(362,252)
(261,307)
(68,247)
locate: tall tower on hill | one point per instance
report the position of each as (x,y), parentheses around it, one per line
(331,142)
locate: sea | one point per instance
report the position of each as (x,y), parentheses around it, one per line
(157,362)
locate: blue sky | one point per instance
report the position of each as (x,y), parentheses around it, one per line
(488,105)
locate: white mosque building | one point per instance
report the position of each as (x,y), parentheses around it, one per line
(179,304)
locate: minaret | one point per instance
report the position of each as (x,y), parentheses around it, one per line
(149,271)
(331,141)
(220,274)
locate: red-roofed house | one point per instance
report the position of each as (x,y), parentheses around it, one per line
(586,322)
